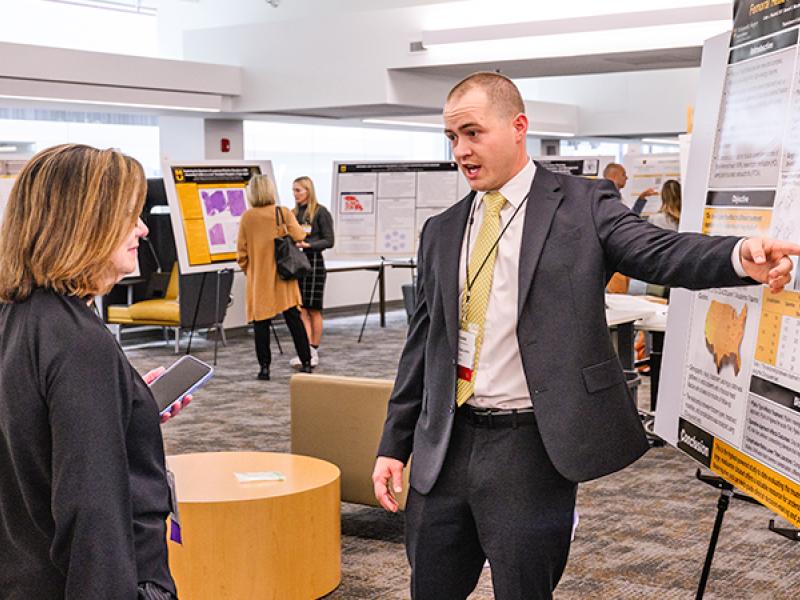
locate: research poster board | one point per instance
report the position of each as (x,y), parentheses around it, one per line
(582,166)
(380,207)
(734,354)
(206,201)
(649,171)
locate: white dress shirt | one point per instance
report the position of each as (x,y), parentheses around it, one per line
(499,379)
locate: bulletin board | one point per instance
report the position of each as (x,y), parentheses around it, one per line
(649,171)
(731,354)
(207,200)
(380,207)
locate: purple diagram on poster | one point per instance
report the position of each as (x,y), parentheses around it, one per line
(216,235)
(219,201)
(222,210)
(214,202)
(236,202)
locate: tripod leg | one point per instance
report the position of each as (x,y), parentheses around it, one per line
(217,325)
(196,311)
(217,329)
(275,335)
(369,306)
(722,505)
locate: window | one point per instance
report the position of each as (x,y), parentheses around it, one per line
(137,140)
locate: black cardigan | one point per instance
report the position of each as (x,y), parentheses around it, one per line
(321,236)
(83,489)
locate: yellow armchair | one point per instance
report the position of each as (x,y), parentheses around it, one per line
(159,312)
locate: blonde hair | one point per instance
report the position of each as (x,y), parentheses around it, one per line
(503,94)
(671,199)
(312,206)
(69,210)
(261,191)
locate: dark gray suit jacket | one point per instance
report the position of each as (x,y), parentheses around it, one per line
(577,233)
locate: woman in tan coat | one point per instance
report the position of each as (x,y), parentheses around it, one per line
(268,294)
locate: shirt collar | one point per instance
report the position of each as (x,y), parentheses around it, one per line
(516,188)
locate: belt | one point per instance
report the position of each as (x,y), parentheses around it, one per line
(496,418)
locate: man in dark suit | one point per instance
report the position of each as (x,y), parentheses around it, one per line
(509,391)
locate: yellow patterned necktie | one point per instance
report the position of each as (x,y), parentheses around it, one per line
(477,292)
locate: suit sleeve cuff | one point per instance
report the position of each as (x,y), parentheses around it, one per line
(736,259)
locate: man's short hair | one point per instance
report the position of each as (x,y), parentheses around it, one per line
(502,92)
(611,167)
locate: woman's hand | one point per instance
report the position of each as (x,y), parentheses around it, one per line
(177,406)
(302,244)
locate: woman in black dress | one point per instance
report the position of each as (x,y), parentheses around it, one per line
(318,223)
(84,495)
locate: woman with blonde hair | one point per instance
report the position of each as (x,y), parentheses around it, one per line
(669,215)
(267,294)
(84,495)
(317,222)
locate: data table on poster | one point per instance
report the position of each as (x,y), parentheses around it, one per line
(779,331)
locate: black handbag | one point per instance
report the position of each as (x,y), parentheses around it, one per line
(290,260)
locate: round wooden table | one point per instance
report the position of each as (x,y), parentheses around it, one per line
(259,540)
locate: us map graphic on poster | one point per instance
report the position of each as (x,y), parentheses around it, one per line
(737,357)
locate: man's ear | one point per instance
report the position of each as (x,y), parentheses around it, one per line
(520,124)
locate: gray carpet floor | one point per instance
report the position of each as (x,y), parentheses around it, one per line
(643,532)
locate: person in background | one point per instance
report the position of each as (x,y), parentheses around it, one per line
(669,215)
(267,294)
(617,175)
(317,222)
(84,495)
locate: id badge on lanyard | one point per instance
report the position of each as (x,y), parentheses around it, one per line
(467,340)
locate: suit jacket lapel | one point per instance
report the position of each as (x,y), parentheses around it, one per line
(452,238)
(543,201)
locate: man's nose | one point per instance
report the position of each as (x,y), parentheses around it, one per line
(461,149)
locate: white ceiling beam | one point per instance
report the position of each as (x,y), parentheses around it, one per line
(595,23)
(22,61)
(31,91)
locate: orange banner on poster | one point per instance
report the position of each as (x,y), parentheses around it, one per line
(733,221)
(773,490)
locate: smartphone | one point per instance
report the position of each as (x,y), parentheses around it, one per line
(184,377)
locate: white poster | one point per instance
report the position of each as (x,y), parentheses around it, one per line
(647,171)
(396,226)
(735,352)
(436,189)
(380,207)
(397,185)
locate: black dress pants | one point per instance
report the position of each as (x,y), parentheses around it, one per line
(498,497)
(299,337)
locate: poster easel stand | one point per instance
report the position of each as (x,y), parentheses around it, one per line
(378,279)
(788,532)
(726,493)
(196,311)
(275,334)
(218,312)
